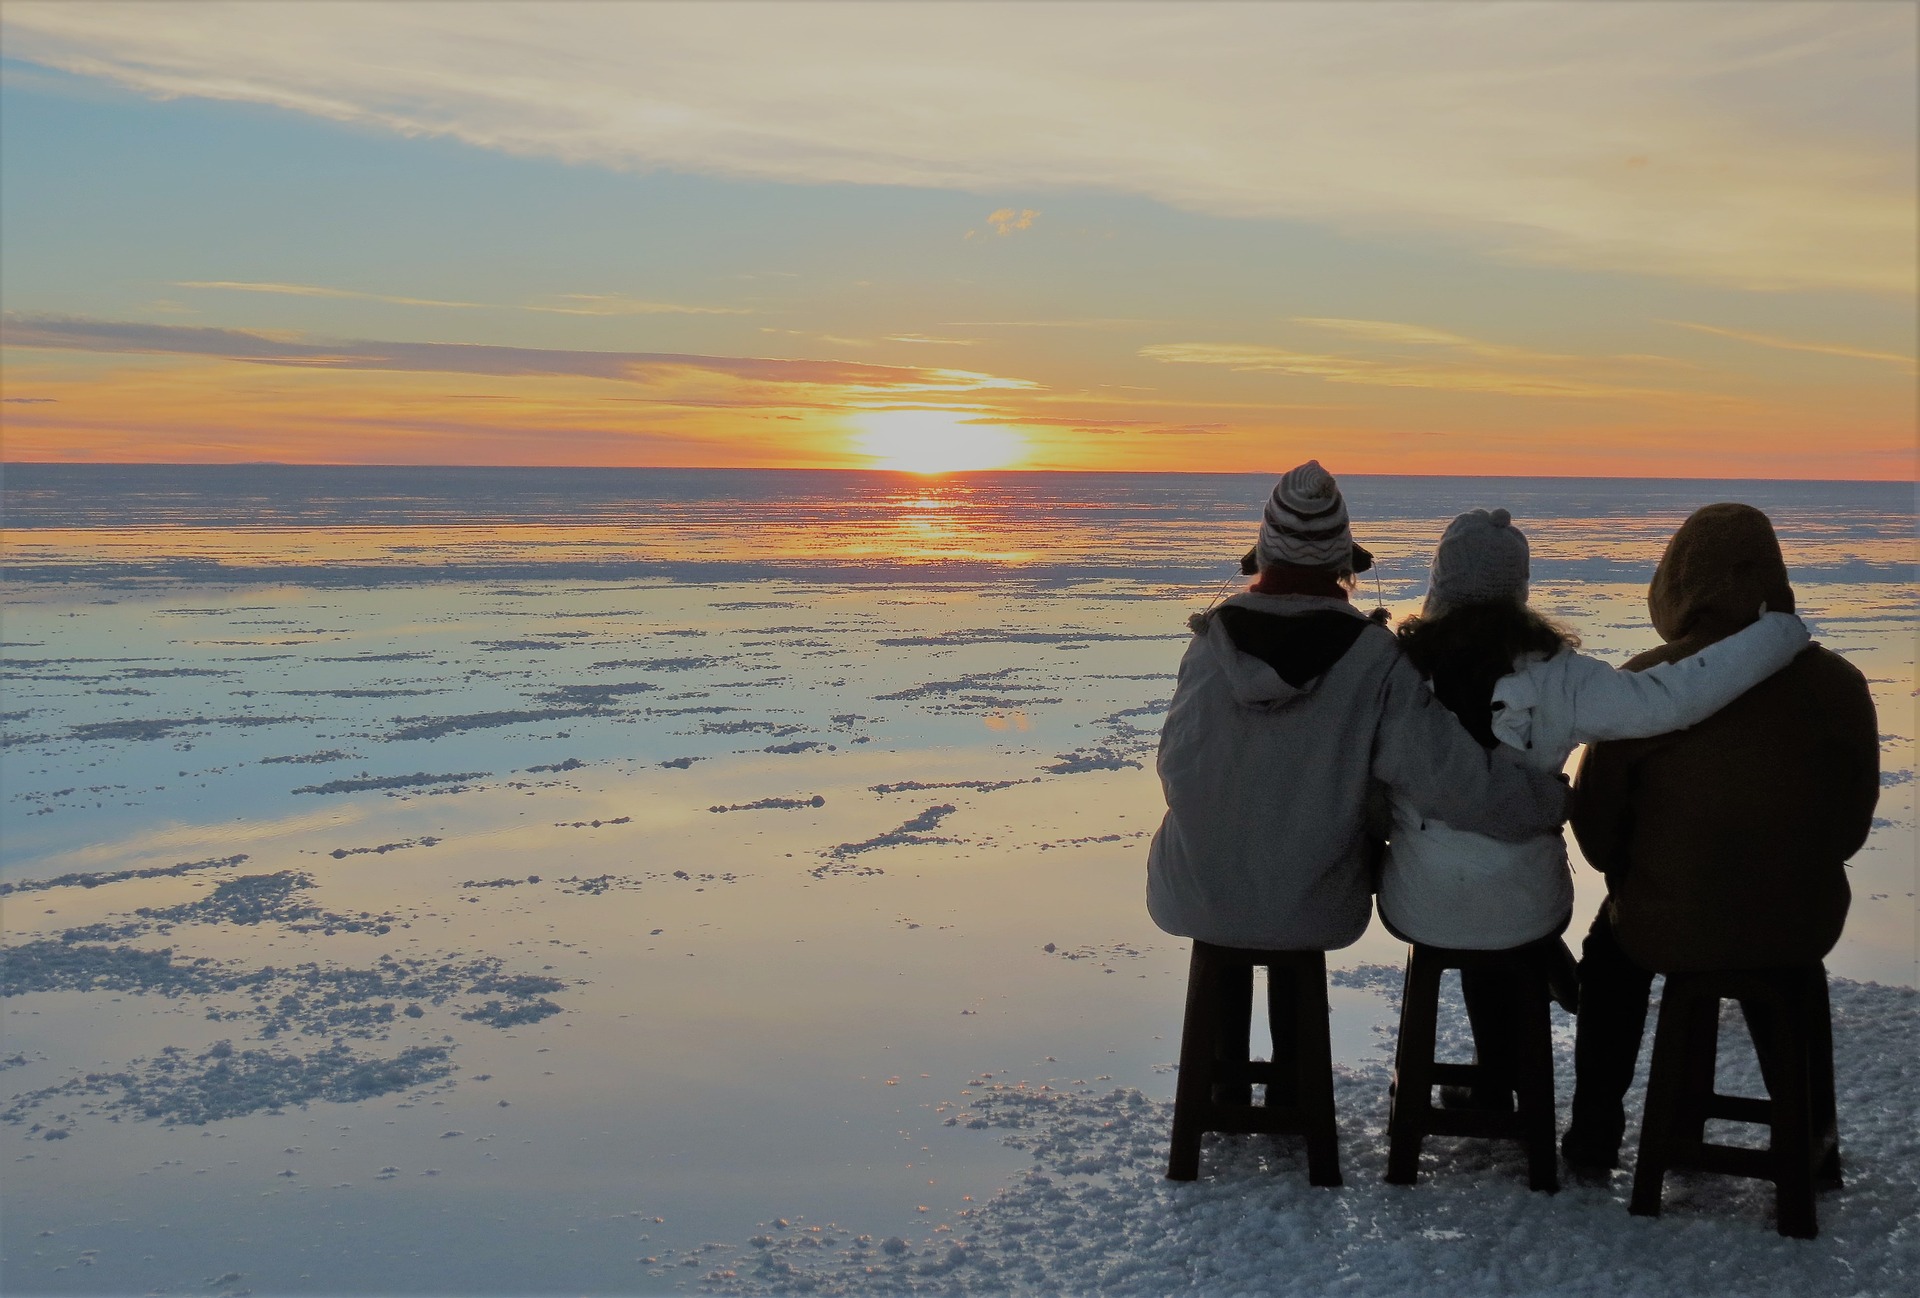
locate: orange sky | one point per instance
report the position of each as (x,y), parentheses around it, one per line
(1483,240)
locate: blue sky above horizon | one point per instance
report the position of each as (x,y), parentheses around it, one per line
(212,249)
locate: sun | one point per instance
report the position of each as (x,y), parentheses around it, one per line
(935,441)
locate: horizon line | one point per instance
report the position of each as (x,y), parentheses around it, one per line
(905,473)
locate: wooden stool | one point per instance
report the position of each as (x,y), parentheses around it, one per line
(1790,1021)
(1413,1115)
(1215,1089)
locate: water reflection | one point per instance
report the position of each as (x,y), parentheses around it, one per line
(782,841)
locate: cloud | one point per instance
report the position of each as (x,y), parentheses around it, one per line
(1756,145)
(1907,363)
(1114,322)
(73,333)
(1373,372)
(315,290)
(1387,331)
(619,304)
(1136,427)
(601,304)
(1005,220)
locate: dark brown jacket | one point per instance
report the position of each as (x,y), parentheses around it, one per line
(1724,845)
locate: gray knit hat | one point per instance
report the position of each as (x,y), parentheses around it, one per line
(1305,524)
(1482,559)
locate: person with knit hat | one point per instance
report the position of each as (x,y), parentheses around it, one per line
(1304,529)
(1517,684)
(1725,846)
(1291,708)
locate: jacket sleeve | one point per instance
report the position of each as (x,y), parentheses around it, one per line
(1615,704)
(1852,760)
(1423,753)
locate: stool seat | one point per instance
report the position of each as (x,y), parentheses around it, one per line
(1413,1115)
(1217,1074)
(1790,1020)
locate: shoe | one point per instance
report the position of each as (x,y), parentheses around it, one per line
(1476,1099)
(1590,1156)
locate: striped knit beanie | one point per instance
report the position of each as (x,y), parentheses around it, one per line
(1482,559)
(1305,523)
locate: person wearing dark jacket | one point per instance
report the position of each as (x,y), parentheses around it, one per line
(1724,846)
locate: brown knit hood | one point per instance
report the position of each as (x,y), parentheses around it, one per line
(1719,568)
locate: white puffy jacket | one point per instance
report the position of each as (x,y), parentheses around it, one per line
(1445,886)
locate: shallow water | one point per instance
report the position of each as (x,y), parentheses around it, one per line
(495,719)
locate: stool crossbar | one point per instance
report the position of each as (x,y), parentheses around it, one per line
(1217,1074)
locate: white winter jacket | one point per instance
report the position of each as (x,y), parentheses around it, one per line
(1266,841)
(1445,886)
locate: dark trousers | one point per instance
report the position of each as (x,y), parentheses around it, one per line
(1493,1002)
(1614,994)
(1606,1043)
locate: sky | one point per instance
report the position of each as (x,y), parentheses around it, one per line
(1673,240)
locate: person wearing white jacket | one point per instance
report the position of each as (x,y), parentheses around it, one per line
(1292,708)
(1445,885)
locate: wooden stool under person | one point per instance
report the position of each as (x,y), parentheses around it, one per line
(1528,1073)
(1217,1074)
(1790,1021)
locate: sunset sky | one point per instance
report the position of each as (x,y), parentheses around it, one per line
(1588,239)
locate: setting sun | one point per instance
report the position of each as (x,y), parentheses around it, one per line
(935,441)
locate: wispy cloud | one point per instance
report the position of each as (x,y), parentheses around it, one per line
(1907,363)
(316,290)
(592,304)
(1090,322)
(1139,427)
(1394,373)
(1755,145)
(1388,331)
(619,304)
(70,333)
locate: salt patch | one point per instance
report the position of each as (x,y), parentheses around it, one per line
(416,780)
(1096,1214)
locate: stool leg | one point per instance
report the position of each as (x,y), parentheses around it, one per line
(1533,1041)
(1412,1069)
(1233,1017)
(1664,1097)
(1779,1039)
(1826,1129)
(1287,994)
(1702,1063)
(1312,1050)
(1193,1090)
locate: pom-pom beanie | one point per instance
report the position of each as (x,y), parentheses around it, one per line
(1482,559)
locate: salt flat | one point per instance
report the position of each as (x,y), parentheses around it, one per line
(519,933)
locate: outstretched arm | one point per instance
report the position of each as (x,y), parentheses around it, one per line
(1425,755)
(1606,703)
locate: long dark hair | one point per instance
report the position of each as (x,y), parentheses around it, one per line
(1465,650)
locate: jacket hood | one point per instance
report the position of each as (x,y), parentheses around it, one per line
(1719,568)
(1256,681)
